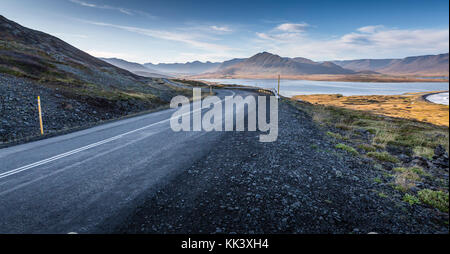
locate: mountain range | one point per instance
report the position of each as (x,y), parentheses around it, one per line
(265,62)
(188,68)
(34,54)
(135,68)
(269,63)
(417,65)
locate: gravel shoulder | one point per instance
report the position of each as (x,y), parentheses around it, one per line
(61,113)
(299,184)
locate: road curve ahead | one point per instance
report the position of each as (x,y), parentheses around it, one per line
(76,182)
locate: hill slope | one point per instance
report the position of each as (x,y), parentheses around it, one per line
(54,63)
(76,88)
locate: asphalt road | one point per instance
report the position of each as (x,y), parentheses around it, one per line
(78,181)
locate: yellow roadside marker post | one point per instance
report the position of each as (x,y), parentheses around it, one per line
(40,115)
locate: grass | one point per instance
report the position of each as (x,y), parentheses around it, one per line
(423,152)
(410,106)
(377,180)
(335,135)
(436,199)
(382,195)
(405,181)
(384,134)
(367,147)
(383,156)
(413,170)
(347,148)
(408,135)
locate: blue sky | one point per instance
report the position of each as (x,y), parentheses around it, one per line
(180,31)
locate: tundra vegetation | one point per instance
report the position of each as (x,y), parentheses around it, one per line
(412,155)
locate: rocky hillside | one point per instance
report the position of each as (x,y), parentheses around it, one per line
(419,65)
(78,88)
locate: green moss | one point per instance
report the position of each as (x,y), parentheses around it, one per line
(421,151)
(383,156)
(399,169)
(410,199)
(11,72)
(414,170)
(367,147)
(436,199)
(382,195)
(336,135)
(387,175)
(377,180)
(344,126)
(420,171)
(347,148)
(400,188)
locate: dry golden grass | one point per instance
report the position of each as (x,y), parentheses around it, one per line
(409,106)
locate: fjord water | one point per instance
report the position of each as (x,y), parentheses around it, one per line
(303,87)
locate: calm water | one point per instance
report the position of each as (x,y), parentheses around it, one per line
(440,98)
(296,87)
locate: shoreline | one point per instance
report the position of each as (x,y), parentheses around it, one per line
(331,78)
(425,97)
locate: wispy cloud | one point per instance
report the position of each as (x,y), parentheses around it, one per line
(221,28)
(126,11)
(188,38)
(292,27)
(285,32)
(366,42)
(370,29)
(107,54)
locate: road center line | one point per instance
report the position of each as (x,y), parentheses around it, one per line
(75,151)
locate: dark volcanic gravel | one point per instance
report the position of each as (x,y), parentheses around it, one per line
(299,184)
(19,119)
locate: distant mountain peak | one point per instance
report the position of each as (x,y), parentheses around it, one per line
(415,65)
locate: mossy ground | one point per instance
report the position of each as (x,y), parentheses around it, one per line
(375,136)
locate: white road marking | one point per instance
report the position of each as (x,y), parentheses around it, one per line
(75,151)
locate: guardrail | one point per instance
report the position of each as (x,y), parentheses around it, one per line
(255,89)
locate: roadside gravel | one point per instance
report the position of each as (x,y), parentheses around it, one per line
(299,184)
(19,120)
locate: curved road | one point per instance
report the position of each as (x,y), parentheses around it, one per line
(79,181)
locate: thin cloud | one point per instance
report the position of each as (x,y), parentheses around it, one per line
(221,28)
(171,36)
(365,42)
(285,32)
(126,11)
(370,29)
(292,27)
